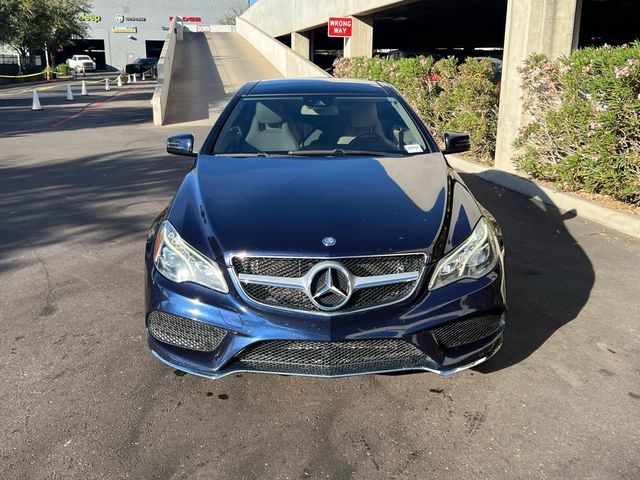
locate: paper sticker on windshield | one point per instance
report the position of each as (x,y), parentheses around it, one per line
(413,148)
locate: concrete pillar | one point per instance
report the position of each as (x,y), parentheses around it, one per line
(301,43)
(540,26)
(360,44)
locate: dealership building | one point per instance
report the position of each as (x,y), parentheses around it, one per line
(122,31)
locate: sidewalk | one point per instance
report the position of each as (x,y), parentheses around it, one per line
(616,219)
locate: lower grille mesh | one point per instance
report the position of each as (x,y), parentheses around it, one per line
(466,331)
(184,332)
(331,358)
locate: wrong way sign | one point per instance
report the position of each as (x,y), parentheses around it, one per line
(340,26)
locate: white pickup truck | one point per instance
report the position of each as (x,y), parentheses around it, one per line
(81,63)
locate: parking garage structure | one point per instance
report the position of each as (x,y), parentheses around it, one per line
(507,30)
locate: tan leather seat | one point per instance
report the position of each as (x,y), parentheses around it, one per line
(270,131)
(363,120)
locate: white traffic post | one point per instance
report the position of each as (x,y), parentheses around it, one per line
(135,78)
(69,94)
(143,77)
(106,85)
(129,79)
(36,101)
(83,92)
(119,81)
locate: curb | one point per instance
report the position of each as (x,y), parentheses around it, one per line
(623,222)
(7,86)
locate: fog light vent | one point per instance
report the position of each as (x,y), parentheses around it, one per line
(185,332)
(467,331)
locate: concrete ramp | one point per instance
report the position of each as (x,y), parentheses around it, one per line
(208,69)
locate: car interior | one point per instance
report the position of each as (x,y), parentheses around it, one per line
(319,123)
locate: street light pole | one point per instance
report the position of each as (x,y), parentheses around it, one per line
(46,59)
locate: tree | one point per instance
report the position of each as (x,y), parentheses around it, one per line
(5,8)
(67,25)
(229,18)
(30,24)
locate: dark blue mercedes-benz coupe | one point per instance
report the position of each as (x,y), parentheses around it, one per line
(320,231)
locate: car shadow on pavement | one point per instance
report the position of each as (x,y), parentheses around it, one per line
(88,200)
(549,276)
(90,112)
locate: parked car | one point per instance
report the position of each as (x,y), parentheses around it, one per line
(496,64)
(81,63)
(320,231)
(142,65)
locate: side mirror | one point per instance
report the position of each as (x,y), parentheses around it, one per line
(181,145)
(456,142)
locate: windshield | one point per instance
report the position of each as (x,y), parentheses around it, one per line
(321,125)
(84,57)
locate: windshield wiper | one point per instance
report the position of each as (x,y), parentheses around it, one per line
(247,154)
(339,152)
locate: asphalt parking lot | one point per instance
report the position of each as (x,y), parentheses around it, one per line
(83,398)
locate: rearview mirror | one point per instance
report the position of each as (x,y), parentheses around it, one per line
(181,145)
(456,142)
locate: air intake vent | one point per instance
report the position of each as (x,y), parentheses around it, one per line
(184,332)
(467,331)
(331,358)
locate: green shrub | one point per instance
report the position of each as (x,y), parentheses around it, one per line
(62,69)
(468,102)
(411,76)
(446,96)
(584,132)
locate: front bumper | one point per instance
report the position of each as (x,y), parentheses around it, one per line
(414,321)
(427,368)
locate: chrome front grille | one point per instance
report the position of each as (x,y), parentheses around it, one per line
(331,358)
(298,267)
(273,266)
(382,295)
(293,283)
(279,297)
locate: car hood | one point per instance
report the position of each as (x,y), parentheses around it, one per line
(288,205)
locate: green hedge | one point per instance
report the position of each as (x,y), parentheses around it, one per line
(62,69)
(447,96)
(584,132)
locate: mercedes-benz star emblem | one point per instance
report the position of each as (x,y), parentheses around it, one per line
(328,241)
(329,286)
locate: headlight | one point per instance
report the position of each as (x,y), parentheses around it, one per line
(180,262)
(474,258)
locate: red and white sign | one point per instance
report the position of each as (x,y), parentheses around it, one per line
(340,26)
(189,19)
